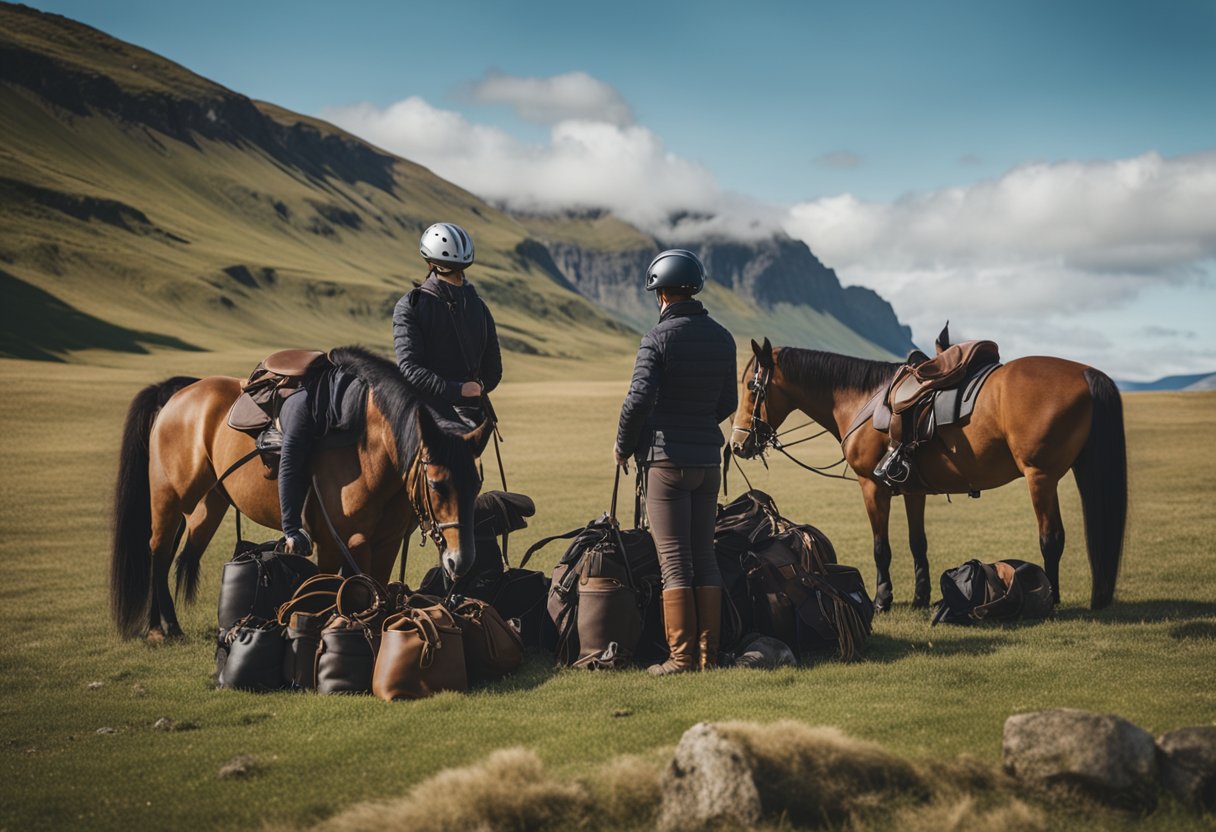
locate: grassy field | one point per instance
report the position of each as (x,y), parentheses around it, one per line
(925,693)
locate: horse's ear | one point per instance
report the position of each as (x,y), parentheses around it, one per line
(765,355)
(755,348)
(943,338)
(479,436)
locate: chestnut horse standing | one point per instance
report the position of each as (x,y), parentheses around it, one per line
(406,469)
(1036,417)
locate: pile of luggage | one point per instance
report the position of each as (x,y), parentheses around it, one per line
(781,580)
(284,626)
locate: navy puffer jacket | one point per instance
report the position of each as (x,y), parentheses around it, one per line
(683,386)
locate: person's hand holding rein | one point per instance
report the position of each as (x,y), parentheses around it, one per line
(471,390)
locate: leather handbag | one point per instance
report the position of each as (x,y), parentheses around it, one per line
(303,618)
(255,656)
(346,656)
(421,653)
(493,647)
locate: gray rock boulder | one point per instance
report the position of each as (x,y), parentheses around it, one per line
(1188,765)
(709,783)
(1103,755)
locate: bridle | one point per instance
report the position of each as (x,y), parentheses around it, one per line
(765,436)
(419,488)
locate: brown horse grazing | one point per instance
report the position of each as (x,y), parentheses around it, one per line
(1035,418)
(407,468)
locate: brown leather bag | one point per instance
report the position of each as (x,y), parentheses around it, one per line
(303,618)
(421,654)
(493,648)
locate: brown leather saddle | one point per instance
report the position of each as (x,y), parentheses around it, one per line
(256,410)
(925,394)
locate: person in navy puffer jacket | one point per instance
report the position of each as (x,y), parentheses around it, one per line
(683,386)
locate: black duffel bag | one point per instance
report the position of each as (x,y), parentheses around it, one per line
(254,648)
(258,579)
(1008,590)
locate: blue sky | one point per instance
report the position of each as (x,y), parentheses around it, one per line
(860,127)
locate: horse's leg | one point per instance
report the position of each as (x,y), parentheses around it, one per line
(914,504)
(878,507)
(1046,502)
(167,525)
(201,526)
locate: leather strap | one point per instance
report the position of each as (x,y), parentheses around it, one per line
(350,559)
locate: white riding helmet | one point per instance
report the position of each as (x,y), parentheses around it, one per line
(447,244)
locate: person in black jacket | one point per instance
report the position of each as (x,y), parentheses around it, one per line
(683,387)
(443,332)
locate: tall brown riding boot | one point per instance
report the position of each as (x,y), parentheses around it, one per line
(709,624)
(680,623)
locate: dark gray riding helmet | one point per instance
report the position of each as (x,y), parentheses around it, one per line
(677,269)
(447,244)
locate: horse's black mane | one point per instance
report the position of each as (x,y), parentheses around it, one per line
(808,367)
(401,405)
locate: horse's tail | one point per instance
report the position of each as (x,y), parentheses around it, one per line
(1101,472)
(131,558)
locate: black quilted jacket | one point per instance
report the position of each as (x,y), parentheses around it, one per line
(683,387)
(429,349)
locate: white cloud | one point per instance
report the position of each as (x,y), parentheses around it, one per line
(572,96)
(585,164)
(1027,255)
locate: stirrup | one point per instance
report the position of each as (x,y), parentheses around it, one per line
(893,469)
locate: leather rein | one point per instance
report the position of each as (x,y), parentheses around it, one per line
(766,436)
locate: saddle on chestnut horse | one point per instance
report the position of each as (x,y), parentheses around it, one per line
(256,411)
(925,394)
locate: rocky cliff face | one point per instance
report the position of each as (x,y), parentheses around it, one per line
(767,273)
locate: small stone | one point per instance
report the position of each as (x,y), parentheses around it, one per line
(1105,756)
(244,765)
(1188,766)
(708,784)
(95,685)
(765,653)
(107,730)
(622,712)
(164,724)
(137,690)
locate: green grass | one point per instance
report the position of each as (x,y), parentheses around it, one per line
(921,692)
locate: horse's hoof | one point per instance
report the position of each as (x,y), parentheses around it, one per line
(156,636)
(920,603)
(882,603)
(173,632)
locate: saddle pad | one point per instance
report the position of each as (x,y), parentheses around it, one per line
(954,406)
(246,416)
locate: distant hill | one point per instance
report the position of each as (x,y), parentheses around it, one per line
(145,207)
(1194,382)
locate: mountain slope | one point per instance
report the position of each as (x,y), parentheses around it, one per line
(151,199)
(170,212)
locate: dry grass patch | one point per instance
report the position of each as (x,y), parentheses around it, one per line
(819,775)
(508,792)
